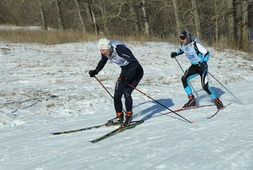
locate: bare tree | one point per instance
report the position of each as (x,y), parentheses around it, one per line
(91,15)
(177,16)
(216,24)
(101,5)
(43,16)
(134,17)
(231,20)
(59,15)
(145,18)
(245,26)
(80,16)
(219,19)
(226,21)
(6,14)
(196,19)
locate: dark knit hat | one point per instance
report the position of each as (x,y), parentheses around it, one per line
(183,35)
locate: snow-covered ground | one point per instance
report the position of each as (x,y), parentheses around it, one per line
(45,89)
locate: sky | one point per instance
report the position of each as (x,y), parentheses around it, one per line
(47,88)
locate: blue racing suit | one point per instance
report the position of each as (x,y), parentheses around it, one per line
(198,57)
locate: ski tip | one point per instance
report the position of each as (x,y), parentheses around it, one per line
(193,122)
(55,133)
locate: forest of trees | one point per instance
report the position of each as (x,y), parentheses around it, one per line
(213,21)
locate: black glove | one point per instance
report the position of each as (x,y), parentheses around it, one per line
(173,55)
(93,73)
(202,65)
(123,79)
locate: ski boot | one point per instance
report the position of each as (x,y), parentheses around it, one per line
(191,102)
(218,103)
(128,118)
(118,120)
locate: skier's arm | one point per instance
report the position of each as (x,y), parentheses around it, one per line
(179,52)
(101,63)
(99,67)
(203,51)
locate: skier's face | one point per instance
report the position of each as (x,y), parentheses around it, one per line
(105,52)
(184,41)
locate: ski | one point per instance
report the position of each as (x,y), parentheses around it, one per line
(81,129)
(186,108)
(217,111)
(118,130)
(192,107)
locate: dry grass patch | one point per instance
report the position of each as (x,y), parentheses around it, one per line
(51,37)
(43,36)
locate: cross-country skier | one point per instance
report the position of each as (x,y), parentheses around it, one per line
(131,73)
(198,57)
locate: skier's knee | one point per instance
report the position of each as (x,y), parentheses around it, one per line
(205,87)
(183,79)
(117,97)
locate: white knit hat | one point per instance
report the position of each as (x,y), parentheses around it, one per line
(104,44)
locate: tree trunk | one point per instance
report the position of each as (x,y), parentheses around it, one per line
(196,19)
(80,16)
(94,21)
(231,26)
(43,16)
(145,19)
(245,27)
(177,17)
(59,16)
(238,25)
(104,17)
(134,18)
(91,14)
(216,24)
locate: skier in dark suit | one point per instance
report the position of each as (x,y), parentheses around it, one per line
(131,73)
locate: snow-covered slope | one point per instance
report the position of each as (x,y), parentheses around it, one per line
(47,88)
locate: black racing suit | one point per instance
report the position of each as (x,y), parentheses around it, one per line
(130,69)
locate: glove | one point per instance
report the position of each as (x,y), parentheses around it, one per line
(202,65)
(173,54)
(93,73)
(123,79)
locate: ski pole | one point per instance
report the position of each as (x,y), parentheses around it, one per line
(104,87)
(225,87)
(183,72)
(179,64)
(160,103)
(106,90)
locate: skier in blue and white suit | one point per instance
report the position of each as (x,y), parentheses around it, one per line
(198,57)
(131,73)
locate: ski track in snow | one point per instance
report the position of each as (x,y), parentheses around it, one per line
(45,89)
